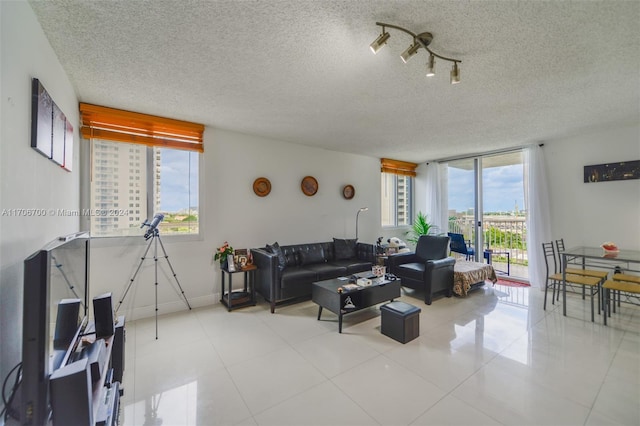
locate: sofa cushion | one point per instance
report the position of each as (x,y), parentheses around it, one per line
(311,255)
(327,271)
(275,249)
(411,270)
(296,276)
(344,249)
(352,266)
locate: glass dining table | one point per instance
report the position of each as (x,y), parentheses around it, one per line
(626,260)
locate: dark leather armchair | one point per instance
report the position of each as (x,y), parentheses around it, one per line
(428,268)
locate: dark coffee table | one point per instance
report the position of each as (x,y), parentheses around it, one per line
(325,294)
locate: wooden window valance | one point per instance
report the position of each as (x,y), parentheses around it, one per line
(124,126)
(398,167)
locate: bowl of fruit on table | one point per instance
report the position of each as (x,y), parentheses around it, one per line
(610,248)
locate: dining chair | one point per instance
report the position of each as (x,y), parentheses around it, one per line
(626,277)
(556,278)
(601,275)
(617,286)
(619,276)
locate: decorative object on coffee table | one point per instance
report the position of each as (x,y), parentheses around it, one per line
(309,186)
(262,187)
(348,192)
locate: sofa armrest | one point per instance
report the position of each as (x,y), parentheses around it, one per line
(442,263)
(439,274)
(267,275)
(395,260)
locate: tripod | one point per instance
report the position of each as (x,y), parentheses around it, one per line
(155,239)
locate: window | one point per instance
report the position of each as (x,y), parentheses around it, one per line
(164,167)
(397,192)
(171,182)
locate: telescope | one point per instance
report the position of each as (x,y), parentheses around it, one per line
(152,226)
(153,234)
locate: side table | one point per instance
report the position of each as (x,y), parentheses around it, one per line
(239,298)
(489,253)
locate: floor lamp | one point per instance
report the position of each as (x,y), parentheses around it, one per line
(362,209)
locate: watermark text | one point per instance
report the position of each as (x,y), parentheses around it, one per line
(64,212)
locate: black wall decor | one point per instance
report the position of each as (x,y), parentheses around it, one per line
(624,170)
(51,132)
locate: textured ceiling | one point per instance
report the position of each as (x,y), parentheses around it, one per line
(301,71)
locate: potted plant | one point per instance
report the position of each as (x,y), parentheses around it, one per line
(421,226)
(222,253)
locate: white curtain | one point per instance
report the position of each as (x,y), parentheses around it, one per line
(437,196)
(536,199)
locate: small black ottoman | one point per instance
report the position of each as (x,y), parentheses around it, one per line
(400,321)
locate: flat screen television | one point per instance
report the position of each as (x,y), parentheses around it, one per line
(59,271)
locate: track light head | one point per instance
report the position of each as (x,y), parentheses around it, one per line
(379,42)
(408,54)
(455,74)
(431,66)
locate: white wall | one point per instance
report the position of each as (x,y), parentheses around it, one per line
(592,213)
(230,211)
(27,179)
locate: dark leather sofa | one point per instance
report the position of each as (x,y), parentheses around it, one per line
(428,268)
(286,272)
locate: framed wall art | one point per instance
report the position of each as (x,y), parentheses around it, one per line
(623,170)
(51,132)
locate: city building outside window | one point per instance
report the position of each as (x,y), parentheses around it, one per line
(169,178)
(397,192)
(396,200)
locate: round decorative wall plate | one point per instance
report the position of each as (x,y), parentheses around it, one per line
(262,187)
(348,192)
(309,185)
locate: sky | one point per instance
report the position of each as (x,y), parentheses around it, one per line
(174,180)
(503,187)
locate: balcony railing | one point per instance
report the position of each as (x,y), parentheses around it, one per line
(500,234)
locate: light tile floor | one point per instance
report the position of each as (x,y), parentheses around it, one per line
(494,357)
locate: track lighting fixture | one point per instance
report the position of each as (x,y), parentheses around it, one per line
(419,40)
(379,42)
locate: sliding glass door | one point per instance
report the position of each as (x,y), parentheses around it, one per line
(462,199)
(486,205)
